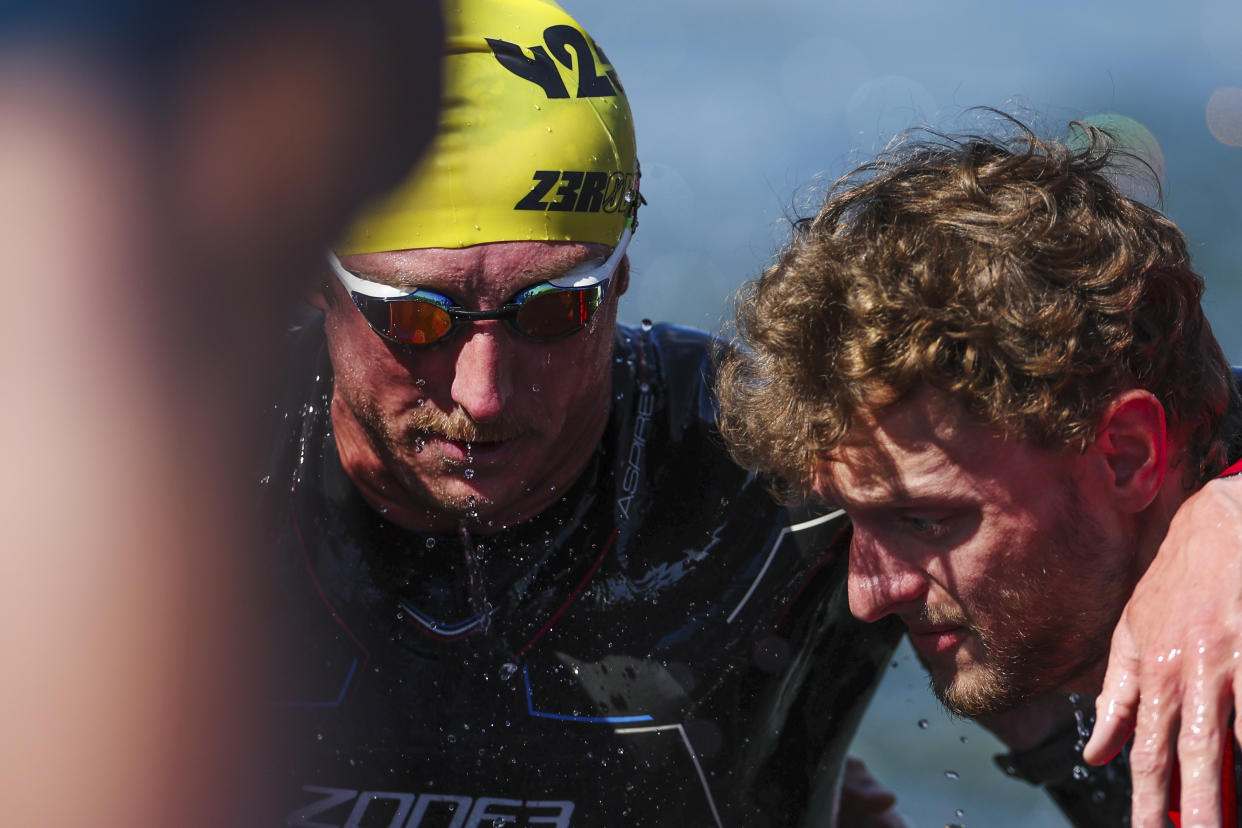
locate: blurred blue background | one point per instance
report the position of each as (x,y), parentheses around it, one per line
(744,109)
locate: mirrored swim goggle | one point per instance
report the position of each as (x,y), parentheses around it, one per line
(542,312)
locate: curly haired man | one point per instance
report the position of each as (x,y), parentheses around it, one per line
(998,364)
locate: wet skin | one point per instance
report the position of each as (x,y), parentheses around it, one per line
(484,428)
(1007,562)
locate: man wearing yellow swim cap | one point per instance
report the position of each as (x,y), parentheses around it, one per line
(525,582)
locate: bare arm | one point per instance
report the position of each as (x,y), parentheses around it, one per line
(1175,670)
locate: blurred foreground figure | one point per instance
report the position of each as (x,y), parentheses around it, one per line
(167,170)
(529,583)
(998,365)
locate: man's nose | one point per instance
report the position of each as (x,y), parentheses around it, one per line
(482,379)
(881,581)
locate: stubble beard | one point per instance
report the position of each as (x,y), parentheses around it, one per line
(1047,625)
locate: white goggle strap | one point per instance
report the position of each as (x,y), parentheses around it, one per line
(356,284)
(585,275)
(593,272)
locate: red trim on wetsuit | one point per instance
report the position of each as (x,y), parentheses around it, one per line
(1228,794)
(1228,791)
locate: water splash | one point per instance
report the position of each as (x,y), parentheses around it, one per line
(474,580)
(1084,721)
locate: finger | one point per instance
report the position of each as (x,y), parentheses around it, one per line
(1116,708)
(862,792)
(1152,762)
(892,819)
(1201,741)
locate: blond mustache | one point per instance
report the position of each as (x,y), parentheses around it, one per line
(458,425)
(935,616)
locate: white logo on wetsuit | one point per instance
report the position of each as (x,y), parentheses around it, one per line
(642,426)
(411,810)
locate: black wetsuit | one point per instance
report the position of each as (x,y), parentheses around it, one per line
(662,647)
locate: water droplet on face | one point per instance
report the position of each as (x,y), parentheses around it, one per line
(468,473)
(420,382)
(951,774)
(1080,772)
(924,724)
(646,324)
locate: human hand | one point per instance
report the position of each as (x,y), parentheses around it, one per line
(1175,668)
(864,801)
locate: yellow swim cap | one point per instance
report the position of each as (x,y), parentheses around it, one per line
(535,141)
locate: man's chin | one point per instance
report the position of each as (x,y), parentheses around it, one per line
(976,691)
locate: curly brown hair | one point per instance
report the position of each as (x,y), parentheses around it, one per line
(1006,271)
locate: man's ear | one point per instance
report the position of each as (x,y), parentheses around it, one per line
(1133,443)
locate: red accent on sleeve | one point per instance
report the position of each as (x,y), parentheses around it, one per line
(1236,468)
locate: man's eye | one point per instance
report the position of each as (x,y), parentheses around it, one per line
(926,526)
